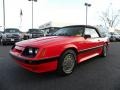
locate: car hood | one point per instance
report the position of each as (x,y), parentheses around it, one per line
(50,40)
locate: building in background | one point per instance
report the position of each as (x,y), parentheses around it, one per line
(50,27)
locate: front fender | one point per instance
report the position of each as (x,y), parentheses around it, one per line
(56,51)
(69,46)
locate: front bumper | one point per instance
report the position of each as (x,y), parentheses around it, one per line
(38,66)
(118,38)
(10,40)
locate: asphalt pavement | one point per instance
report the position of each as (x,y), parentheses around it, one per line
(95,74)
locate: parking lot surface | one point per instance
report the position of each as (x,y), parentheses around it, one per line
(95,74)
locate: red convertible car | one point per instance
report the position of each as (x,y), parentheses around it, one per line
(61,51)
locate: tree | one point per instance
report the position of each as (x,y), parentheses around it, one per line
(110,18)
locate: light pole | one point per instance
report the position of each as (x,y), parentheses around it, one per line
(4,14)
(87,5)
(32,10)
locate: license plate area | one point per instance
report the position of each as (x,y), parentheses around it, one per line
(12,40)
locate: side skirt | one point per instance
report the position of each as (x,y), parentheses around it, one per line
(86,54)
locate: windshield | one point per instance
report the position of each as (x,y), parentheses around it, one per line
(12,31)
(34,31)
(69,31)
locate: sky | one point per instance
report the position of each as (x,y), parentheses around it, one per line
(63,11)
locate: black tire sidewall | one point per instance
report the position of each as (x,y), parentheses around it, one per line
(61,59)
(104,51)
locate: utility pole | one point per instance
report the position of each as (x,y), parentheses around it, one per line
(87,5)
(4,14)
(21,14)
(32,11)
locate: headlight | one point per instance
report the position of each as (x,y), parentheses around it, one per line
(4,35)
(33,51)
(30,52)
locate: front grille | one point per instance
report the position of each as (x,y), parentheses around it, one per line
(9,40)
(13,36)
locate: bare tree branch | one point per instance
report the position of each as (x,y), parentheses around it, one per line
(110,19)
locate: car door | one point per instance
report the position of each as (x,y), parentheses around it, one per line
(91,45)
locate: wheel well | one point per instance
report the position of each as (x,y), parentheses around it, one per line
(107,44)
(74,49)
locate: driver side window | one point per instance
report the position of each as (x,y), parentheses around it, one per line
(92,32)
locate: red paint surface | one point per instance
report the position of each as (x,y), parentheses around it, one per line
(54,46)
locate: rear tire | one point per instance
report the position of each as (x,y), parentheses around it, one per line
(104,51)
(66,62)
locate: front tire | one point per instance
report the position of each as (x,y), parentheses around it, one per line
(67,62)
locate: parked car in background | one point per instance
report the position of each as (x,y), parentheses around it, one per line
(114,36)
(106,34)
(11,35)
(33,33)
(104,31)
(49,30)
(0,36)
(61,51)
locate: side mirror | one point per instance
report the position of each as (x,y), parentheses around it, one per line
(87,36)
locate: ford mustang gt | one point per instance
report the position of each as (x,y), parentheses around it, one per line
(61,51)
